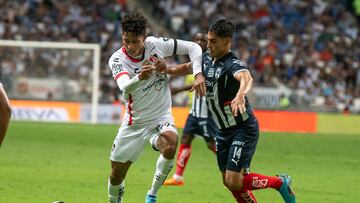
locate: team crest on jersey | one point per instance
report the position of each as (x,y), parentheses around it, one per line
(153,58)
(211,72)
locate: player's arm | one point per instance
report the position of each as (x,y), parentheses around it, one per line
(181,69)
(195,53)
(246,81)
(175,46)
(125,83)
(128,85)
(5,113)
(241,74)
(175,90)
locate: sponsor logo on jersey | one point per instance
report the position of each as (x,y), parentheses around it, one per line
(218,72)
(209,83)
(116,68)
(157,84)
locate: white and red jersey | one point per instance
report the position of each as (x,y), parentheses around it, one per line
(149,99)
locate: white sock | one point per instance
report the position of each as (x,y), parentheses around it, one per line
(163,168)
(116,192)
(177,177)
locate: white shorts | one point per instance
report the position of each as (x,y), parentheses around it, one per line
(130,140)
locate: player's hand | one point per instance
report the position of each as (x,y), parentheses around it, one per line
(160,65)
(238,104)
(199,85)
(146,71)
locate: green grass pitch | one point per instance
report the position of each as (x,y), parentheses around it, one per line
(45,162)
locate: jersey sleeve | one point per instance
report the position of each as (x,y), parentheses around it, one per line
(166,45)
(117,68)
(194,51)
(122,77)
(171,47)
(237,66)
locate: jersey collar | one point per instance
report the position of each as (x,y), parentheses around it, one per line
(135,60)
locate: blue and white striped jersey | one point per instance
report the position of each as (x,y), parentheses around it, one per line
(222,87)
(199,108)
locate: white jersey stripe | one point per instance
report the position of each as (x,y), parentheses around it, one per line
(217,107)
(230,115)
(214,116)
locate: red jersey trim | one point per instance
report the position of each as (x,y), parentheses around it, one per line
(131,58)
(130,109)
(227,103)
(120,74)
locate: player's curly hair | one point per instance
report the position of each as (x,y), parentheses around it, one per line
(134,23)
(222,28)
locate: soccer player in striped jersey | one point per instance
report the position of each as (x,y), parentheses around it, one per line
(148,102)
(5,113)
(228,81)
(197,122)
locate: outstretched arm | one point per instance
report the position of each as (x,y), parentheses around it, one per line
(181,69)
(195,54)
(175,90)
(176,46)
(246,81)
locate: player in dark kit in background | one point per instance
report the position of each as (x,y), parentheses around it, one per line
(5,113)
(197,122)
(227,83)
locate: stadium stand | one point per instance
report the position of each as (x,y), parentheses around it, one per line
(311,47)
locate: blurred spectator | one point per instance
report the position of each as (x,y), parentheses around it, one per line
(63,21)
(311,46)
(305,45)
(284,102)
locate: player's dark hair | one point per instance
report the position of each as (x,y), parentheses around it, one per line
(222,28)
(134,23)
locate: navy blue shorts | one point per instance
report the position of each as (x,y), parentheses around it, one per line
(236,146)
(200,126)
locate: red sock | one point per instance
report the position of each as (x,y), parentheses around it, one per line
(182,159)
(254,181)
(244,196)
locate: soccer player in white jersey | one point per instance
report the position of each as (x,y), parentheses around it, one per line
(148,102)
(5,113)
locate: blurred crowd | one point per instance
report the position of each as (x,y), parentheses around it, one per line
(85,21)
(311,46)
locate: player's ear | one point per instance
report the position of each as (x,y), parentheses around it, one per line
(227,40)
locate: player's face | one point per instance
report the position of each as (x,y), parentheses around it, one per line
(200,39)
(218,46)
(134,45)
